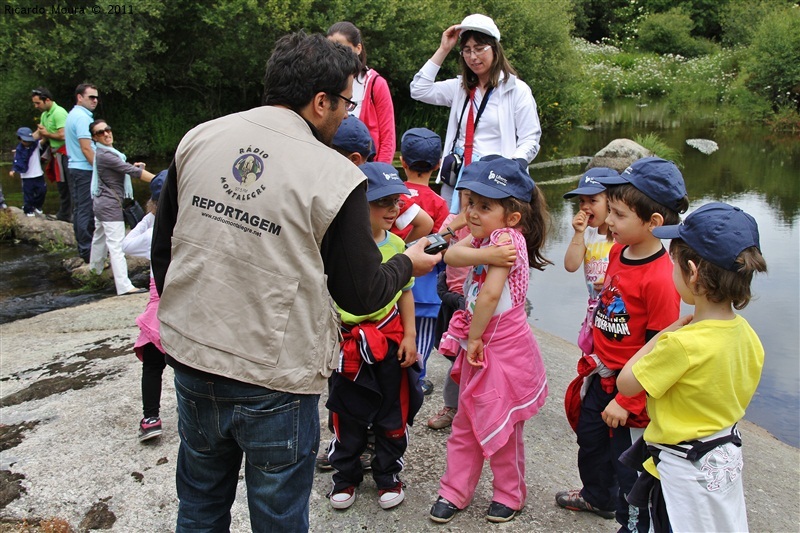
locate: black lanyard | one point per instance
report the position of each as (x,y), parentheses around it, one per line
(477,118)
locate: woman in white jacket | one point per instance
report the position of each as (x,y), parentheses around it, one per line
(503,109)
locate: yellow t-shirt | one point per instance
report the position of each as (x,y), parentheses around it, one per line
(699,379)
(390,246)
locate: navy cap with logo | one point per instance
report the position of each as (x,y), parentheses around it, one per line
(156,184)
(382,180)
(718,232)
(421,149)
(658,179)
(494,176)
(25,134)
(589,186)
(353,136)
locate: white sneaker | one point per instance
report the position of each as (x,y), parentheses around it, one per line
(344,498)
(30,214)
(38,211)
(388,498)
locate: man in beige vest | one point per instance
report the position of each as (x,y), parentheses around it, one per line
(260,226)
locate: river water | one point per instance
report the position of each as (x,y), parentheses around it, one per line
(753,169)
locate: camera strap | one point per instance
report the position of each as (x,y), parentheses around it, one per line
(468,101)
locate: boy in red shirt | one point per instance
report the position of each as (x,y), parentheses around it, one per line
(637,301)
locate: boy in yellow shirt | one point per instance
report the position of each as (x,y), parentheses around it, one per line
(700,374)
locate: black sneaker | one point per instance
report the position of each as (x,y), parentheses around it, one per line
(499,513)
(427,387)
(572,500)
(149,428)
(443,511)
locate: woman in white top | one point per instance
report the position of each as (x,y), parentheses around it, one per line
(504,111)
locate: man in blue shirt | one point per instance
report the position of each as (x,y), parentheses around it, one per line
(80,151)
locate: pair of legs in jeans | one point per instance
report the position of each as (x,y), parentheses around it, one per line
(222,420)
(80,183)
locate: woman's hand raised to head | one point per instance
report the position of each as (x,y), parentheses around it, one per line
(450,37)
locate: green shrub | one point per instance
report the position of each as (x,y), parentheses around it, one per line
(740,19)
(653,142)
(670,33)
(773,59)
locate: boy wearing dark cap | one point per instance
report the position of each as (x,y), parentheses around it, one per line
(353,141)
(701,373)
(420,149)
(29,167)
(375,383)
(637,301)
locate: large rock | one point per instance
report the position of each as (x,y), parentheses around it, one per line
(40,230)
(619,154)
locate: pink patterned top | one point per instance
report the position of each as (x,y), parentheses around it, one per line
(516,286)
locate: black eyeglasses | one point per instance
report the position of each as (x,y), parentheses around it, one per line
(349,104)
(93,97)
(101,132)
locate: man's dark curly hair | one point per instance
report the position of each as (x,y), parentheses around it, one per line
(303,65)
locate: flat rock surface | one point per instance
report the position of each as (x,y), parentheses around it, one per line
(70,392)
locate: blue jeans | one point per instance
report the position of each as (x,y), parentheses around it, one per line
(277,432)
(82,210)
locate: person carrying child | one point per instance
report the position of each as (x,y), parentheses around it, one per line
(590,244)
(499,366)
(420,149)
(29,167)
(637,301)
(375,385)
(148,345)
(701,372)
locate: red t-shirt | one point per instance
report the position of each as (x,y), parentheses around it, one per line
(637,296)
(430,202)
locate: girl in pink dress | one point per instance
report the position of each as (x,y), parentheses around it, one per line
(499,367)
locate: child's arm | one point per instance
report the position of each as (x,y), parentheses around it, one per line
(462,254)
(576,251)
(485,305)
(407,351)
(627,383)
(422,225)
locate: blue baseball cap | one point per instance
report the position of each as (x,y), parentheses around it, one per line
(718,232)
(421,149)
(382,180)
(156,184)
(353,136)
(25,134)
(658,179)
(494,176)
(589,186)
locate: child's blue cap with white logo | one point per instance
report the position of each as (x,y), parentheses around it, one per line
(494,176)
(589,186)
(382,180)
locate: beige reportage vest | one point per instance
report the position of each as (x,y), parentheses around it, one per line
(245,295)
